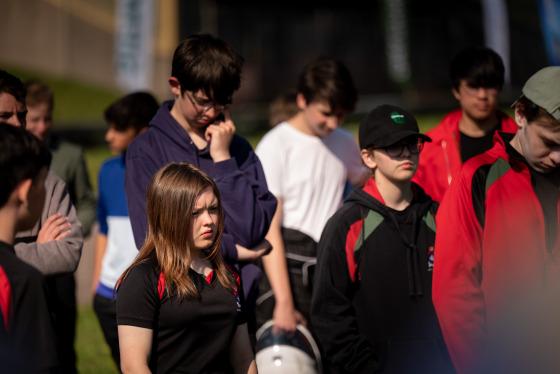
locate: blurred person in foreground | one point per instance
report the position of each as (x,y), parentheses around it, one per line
(27,339)
(497,270)
(54,244)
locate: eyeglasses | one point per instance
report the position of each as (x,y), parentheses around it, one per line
(473,91)
(396,150)
(205,106)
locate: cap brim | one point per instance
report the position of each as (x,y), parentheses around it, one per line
(394,138)
(515,102)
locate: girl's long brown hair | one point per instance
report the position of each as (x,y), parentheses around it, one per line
(171,198)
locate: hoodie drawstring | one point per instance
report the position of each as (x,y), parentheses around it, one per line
(412,257)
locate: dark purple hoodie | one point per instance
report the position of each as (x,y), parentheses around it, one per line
(248,205)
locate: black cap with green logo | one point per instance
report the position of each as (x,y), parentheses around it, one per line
(387,124)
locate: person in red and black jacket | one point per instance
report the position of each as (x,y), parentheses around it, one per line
(477,75)
(371,306)
(496,270)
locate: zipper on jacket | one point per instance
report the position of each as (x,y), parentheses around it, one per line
(446,157)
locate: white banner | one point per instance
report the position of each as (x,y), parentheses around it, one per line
(134,37)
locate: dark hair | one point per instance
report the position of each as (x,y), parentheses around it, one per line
(282,108)
(534,113)
(22,156)
(133,110)
(171,199)
(203,62)
(38,93)
(12,85)
(329,81)
(479,66)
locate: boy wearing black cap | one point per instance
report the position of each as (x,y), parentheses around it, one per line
(372,307)
(497,246)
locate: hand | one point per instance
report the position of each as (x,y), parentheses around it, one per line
(55,227)
(245,254)
(286,318)
(219,135)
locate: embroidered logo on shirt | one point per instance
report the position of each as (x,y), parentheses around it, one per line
(431,258)
(236,294)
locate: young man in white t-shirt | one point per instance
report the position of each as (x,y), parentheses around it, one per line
(308,161)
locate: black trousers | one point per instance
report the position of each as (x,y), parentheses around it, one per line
(106,311)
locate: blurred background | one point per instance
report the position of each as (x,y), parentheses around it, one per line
(397,50)
(91,52)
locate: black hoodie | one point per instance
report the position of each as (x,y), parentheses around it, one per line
(372,303)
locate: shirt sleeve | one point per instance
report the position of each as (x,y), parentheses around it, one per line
(101,205)
(270,157)
(139,171)
(57,256)
(138,300)
(457,292)
(332,313)
(85,199)
(356,172)
(248,204)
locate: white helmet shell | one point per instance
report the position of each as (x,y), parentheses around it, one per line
(279,353)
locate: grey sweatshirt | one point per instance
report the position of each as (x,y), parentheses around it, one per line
(57,256)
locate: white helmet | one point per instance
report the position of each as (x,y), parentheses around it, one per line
(279,353)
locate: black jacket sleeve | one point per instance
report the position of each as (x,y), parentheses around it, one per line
(332,313)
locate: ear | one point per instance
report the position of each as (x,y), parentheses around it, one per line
(175,86)
(301,102)
(455,93)
(520,119)
(368,158)
(22,190)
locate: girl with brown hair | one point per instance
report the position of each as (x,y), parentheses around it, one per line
(179,307)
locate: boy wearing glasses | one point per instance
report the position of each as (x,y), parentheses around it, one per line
(477,75)
(196,127)
(372,299)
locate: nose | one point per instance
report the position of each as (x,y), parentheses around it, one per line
(109,135)
(207,218)
(555,156)
(333,122)
(482,92)
(15,121)
(405,151)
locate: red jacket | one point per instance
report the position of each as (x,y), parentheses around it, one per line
(440,159)
(490,254)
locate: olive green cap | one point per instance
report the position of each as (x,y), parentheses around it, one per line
(543,89)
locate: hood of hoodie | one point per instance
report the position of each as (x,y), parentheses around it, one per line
(370,198)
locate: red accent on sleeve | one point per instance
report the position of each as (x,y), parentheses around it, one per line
(5,298)
(161,285)
(351,238)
